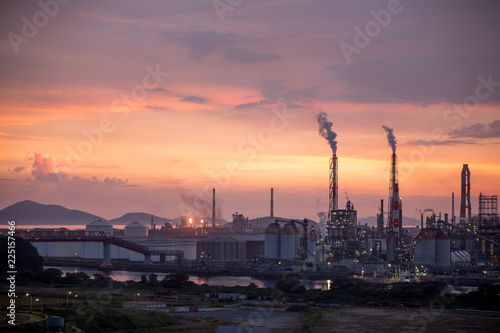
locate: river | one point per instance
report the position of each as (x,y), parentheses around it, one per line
(229,281)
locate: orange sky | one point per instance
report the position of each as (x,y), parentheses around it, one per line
(85,124)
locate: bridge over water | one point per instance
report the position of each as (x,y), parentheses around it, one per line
(98,236)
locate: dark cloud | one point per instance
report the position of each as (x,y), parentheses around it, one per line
(477,130)
(194,99)
(247,56)
(202,44)
(440,143)
(275,91)
(155,108)
(17,169)
(415,78)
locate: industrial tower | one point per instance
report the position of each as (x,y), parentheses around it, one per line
(465,207)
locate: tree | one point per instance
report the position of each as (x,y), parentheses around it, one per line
(176,280)
(26,255)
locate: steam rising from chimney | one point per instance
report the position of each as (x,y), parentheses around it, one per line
(391,138)
(325,130)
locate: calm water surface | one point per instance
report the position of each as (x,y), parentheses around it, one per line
(229,281)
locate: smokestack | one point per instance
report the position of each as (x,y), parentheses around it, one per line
(453,208)
(465,206)
(380,221)
(272,202)
(325,130)
(421,220)
(333,193)
(213,208)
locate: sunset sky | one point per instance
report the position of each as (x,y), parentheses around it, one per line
(119,106)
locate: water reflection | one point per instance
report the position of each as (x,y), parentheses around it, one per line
(229,281)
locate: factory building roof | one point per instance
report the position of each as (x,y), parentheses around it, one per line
(425,235)
(288,230)
(441,235)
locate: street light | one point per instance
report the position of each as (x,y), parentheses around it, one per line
(67,302)
(74,300)
(31,301)
(41,307)
(135,303)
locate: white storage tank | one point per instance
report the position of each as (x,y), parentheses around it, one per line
(271,240)
(135,229)
(443,252)
(425,249)
(288,242)
(100,225)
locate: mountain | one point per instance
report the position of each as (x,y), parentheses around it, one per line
(33,213)
(142,218)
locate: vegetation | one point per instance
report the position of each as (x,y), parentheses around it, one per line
(28,261)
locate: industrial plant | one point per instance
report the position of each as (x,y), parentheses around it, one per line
(270,244)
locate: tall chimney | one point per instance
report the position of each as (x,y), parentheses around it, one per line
(380,221)
(421,220)
(272,203)
(213,208)
(333,195)
(465,206)
(453,208)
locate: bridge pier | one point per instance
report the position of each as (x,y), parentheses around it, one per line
(147,259)
(162,258)
(106,256)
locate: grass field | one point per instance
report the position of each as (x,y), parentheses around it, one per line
(397,320)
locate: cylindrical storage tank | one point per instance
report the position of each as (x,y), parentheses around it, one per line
(425,249)
(100,225)
(443,252)
(297,237)
(288,242)
(271,240)
(135,229)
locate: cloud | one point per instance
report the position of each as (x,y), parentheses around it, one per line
(42,169)
(440,143)
(477,130)
(274,91)
(247,56)
(194,99)
(155,108)
(202,44)
(17,169)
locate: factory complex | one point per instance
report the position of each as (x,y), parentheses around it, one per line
(442,244)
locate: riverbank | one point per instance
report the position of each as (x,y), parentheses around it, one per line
(338,272)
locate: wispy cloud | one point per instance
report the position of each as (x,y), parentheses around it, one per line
(477,130)
(441,142)
(194,99)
